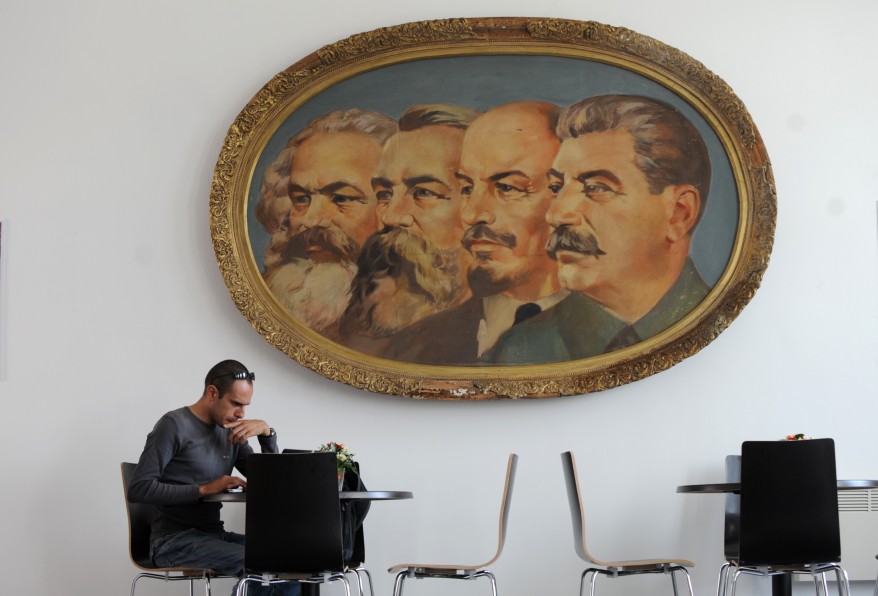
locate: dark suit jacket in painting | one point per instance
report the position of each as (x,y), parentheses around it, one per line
(446,338)
(578,327)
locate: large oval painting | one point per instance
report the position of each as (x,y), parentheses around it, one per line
(486,208)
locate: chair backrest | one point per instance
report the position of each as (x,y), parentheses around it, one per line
(732,530)
(789,503)
(577,512)
(139,522)
(506,503)
(293,521)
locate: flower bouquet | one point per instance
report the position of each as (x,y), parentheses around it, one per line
(796,437)
(344,458)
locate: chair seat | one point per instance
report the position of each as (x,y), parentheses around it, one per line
(282,576)
(786,568)
(428,567)
(185,571)
(649,563)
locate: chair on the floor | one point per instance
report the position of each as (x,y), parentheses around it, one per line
(466,572)
(293,528)
(139,519)
(353,513)
(788,514)
(610,569)
(732,523)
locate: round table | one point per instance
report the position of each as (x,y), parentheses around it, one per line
(735,487)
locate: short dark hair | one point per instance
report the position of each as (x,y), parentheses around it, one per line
(224,374)
(669,148)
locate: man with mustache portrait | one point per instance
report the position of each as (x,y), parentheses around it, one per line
(505,155)
(631,181)
(415,266)
(333,213)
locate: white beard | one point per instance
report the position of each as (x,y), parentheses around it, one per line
(316,294)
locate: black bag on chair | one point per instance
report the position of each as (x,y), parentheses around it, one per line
(352,515)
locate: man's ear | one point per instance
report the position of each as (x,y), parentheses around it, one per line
(684,214)
(211,392)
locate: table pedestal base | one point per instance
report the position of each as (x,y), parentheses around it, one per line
(781,585)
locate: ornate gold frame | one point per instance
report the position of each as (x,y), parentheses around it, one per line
(673,69)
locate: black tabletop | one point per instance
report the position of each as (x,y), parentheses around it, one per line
(735,487)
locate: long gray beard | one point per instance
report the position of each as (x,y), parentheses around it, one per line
(315,294)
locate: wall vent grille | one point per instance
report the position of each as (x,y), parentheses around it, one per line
(858,500)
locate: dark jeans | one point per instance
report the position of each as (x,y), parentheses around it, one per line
(223,552)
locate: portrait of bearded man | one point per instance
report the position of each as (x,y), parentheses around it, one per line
(415,266)
(505,155)
(333,212)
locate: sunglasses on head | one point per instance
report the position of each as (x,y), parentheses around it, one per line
(240,376)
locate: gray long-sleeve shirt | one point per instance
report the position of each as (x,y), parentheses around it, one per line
(181,453)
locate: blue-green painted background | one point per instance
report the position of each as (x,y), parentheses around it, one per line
(481,82)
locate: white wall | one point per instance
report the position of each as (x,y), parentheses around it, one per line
(113,113)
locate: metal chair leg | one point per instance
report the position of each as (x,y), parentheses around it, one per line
(344,582)
(820,582)
(688,580)
(723,580)
(362,570)
(397,584)
(592,581)
(844,585)
(359,581)
(734,581)
(491,577)
(369,577)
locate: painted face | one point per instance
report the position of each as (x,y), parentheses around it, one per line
(281,208)
(330,190)
(416,186)
(230,406)
(504,160)
(610,230)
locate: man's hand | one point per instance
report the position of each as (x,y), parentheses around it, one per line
(221,484)
(244,429)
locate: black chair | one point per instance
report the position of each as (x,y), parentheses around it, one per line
(293,528)
(788,514)
(139,522)
(732,524)
(353,513)
(732,529)
(610,569)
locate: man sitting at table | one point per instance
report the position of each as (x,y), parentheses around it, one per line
(189,454)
